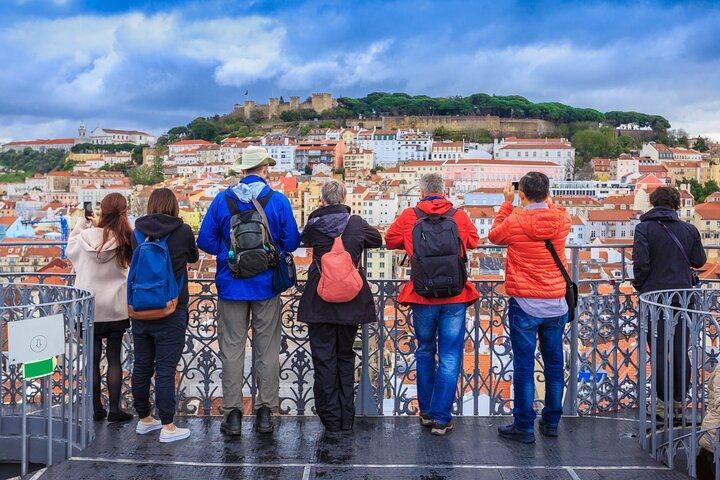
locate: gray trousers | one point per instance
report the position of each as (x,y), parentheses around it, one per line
(233,323)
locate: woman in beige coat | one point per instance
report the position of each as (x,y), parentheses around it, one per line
(100,250)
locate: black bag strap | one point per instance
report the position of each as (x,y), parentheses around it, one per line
(551,248)
(677,242)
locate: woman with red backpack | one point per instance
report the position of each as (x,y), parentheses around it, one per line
(335,301)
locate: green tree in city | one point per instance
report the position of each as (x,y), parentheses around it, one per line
(701,145)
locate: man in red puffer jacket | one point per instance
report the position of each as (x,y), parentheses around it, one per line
(439,323)
(537,307)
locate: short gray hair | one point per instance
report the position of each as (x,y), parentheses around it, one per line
(333,193)
(432,183)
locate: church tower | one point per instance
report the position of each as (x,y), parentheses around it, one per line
(82,133)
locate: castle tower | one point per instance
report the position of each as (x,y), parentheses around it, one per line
(273,107)
(321,101)
(294,103)
(249,106)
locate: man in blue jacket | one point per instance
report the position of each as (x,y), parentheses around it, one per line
(239,297)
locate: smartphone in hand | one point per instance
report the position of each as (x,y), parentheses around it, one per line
(87,206)
(516,185)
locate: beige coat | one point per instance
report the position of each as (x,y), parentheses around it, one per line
(712,408)
(98,271)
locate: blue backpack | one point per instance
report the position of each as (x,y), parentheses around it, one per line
(152,290)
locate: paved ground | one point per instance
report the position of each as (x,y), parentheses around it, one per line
(387,447)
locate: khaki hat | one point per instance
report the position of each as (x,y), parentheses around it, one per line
(254,157)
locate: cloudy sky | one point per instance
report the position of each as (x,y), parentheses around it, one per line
(155,65)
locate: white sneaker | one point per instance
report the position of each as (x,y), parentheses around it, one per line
(167,436)
(144,427)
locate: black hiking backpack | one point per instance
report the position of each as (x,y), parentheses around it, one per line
(438,263)
(251,249)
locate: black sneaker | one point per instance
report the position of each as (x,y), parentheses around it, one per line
(547,430)
(263,420)
(120,416)
(99,414)
(441,428)
(232,424)
(511,433)
(425,420)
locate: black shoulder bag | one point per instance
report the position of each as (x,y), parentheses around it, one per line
(571,288)
(694,279)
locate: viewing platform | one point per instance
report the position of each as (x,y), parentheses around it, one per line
(601,436)
(395,447)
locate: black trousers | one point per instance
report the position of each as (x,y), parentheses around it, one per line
(334,380)
(680,352)
(159,346)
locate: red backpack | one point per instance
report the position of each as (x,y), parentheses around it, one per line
(340,280)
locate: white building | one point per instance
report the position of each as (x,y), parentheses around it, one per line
(383,143)
(42,146)
(557,150)
(108,136)
(283,151)
(95,193)
(181,145)
(448,150)
(590,188)
(414,145)
(379,208)
(611,223)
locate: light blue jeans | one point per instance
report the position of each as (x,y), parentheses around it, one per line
(439,329)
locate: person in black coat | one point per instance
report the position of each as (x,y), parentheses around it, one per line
(660,264)
(332,327)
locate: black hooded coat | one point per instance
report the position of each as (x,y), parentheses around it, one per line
(324,225)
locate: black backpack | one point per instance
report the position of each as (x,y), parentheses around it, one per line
(438,263)
(251,249)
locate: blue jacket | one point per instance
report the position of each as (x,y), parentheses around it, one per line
(216,226)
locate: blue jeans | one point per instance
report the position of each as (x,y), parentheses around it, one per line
(439,329)
(524,333)
(158,346)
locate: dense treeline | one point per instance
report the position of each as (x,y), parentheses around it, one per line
(512,106)
(30,161)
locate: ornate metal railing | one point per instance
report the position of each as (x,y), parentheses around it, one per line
(601,350)
(386,354)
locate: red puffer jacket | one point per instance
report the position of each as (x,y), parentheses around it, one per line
(399,237)
(531,271)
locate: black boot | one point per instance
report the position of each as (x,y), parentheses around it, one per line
(264,420)
(232,425)
(99,414)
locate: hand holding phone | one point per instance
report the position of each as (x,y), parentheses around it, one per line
(87,207)
(516,186)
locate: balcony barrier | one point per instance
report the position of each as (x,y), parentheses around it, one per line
(48,419)
(676,384)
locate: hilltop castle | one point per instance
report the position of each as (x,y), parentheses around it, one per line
(317,102)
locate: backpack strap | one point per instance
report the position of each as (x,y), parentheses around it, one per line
(420,214)
(232,205)
(139,237)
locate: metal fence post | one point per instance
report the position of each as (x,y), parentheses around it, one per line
(571,404)
(366,401)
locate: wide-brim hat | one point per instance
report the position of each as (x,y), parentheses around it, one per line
(254,157)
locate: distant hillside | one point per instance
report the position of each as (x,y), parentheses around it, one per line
(400,104)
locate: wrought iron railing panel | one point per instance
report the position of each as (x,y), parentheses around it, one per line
(605,354)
